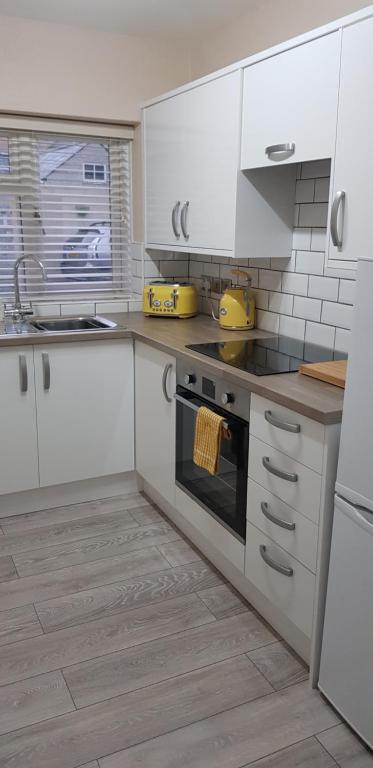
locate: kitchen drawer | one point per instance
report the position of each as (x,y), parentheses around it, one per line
(293,595)
(268,421)
(301,542)
(303,495)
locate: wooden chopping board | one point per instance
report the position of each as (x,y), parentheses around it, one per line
(333,371)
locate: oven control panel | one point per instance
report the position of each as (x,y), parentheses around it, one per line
(214,389)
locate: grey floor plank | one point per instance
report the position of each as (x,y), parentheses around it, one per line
(89,733)
(123,630)
(43,517)
(153,662)
(179,553)
(70,530)
(7,569)
(70,580)
(279,665)
(98,547)
(19,624)
(306,754)
(237,737)
(147,514)
(34,700)
(346,748)
(104,601)
(223,601)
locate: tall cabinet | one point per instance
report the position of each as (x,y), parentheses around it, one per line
(351,209)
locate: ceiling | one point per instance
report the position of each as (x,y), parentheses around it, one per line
(161,18)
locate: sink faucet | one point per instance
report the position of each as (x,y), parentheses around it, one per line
(19,310)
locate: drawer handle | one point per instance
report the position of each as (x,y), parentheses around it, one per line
(280,149)
(287,426)
(276,520)
(291,477)
(286,571)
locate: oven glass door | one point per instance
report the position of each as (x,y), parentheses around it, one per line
(223,494)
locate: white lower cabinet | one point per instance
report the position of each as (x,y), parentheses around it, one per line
(291,591)
(18,445)
(155,384)
(84,398)
(68,413)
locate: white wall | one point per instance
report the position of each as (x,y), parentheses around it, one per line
(265,23)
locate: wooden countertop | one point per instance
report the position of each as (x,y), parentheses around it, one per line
(315,399)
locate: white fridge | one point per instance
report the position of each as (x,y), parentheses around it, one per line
(346,671)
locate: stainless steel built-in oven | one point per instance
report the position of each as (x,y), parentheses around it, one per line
(222,495)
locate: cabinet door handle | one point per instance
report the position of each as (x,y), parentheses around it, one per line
(166,371)
(339,200)
(23,377)
(183,219)
(276,520)
(174,218)
(291,477)
(287,426)
(280,149)
(46,371)
(286,571)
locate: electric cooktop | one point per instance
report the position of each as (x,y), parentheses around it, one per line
(263,357)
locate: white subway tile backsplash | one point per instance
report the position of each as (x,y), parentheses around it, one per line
(310,262)
(323,287)
(151,269)
(270,280)
(346,291)
(315,169)
(336,314)
(281,303)
(174,268)
(134,305)
(104,307)
(284,264)
(76,308)
(322,190)
(47,309)
(292,326)
(313,215)
(309,309)
(318,240)
(267,321)
(260,263)
(295,283)
(261,298)
(302,239)
(342,340)
(322,335)
(304,191)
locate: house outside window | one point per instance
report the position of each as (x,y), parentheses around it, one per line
(81,232)
(94,172)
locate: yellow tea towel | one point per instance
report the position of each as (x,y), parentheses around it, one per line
(207,440)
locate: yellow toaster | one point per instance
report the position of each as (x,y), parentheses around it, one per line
(169,299)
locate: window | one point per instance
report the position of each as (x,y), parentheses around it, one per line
(81,232)
(94,172)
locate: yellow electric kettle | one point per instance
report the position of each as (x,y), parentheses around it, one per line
(237,305)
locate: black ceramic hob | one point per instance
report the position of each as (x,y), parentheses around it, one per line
(266,356)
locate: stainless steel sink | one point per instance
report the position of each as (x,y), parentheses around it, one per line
(70,324)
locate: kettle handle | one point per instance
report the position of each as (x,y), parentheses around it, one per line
(213,313)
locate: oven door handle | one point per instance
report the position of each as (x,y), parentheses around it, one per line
(193,407)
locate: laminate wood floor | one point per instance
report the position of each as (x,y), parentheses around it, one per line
(122,647)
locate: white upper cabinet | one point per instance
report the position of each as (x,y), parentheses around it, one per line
(191,164)
(290,105)
(351,210)
(84,398)
(19,446)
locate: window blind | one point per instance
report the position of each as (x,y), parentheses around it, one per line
(67,200)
